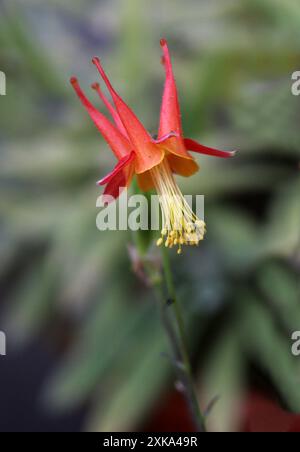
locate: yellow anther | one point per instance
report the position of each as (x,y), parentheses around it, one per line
(180,224)
(159,242)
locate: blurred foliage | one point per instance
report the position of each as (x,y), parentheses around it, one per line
(233,62)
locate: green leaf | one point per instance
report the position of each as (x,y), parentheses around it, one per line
(281,287)
(282,234)
(263,340)
(134,391)
(108,333)
(222,378)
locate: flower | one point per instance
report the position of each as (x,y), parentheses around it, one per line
(153,161)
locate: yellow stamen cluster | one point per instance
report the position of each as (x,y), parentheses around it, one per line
(180,225)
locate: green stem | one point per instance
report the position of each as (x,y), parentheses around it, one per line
(179,345)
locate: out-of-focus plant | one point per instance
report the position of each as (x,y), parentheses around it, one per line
(242,286)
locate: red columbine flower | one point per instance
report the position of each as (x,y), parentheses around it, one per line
(153,161)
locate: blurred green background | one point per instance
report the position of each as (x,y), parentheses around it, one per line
(70,287)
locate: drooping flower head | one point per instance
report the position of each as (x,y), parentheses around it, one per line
(153,161)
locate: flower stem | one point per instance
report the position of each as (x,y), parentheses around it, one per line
(178,342)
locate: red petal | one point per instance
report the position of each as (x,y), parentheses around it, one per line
(170,119)
(192,145)
(170,112)
(114,186)
(118,143)
(148,154)
(119,181)
(111,109)
(182,166)
(145,181)
(166,137)
(118,168)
